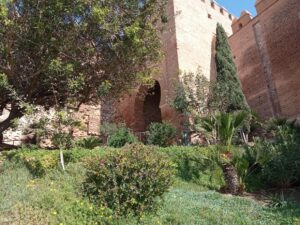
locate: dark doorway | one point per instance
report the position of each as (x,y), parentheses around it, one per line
(151,110)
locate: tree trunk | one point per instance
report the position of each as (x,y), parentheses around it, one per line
(231,179)
(15,112)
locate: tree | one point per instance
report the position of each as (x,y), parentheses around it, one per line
(226,125)
(55,53)
(191,98)
(227,93)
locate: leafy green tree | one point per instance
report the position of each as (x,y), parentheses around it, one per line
(192,94)
(61,52)
(227,93)
(191,99)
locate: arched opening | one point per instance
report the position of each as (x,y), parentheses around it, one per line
(151,109)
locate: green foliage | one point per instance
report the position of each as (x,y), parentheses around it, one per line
(222,127)
(129,180)
(227,93)
(63,125)
(192,94)
(279,159)
(57,198)
(37,162)
(161,134)
(108,129)
(227,124)
(58,53)
(196,164)
(76,155)
(88,142)
(52,199)
(3,82)
(121,137)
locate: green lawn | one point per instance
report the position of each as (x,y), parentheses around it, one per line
(57,199)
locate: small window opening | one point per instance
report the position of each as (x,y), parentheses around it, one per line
(240,25)
(212,5)
(209,16)
(222,11)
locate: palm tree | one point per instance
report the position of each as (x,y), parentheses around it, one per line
(226,125)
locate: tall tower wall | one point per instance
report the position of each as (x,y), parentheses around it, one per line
(195,24)
(188,42)
(267,54)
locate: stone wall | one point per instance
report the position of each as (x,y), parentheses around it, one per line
(196,22)
(188,43)
(267,54)
(88,115)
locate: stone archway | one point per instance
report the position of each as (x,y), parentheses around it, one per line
(147,107)
(151,107)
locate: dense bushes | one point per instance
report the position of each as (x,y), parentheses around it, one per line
(129,180)
(37,161)
(192,163)
(161,134)
(278,160)
(88,142)
(196,164)
(121,137)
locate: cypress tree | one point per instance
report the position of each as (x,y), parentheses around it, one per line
(228,94)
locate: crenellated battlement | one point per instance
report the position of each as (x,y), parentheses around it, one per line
(239,23)
(218,8)
(246,17)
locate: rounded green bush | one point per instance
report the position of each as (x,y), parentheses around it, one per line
(121,137)
(161,134)
(128,181)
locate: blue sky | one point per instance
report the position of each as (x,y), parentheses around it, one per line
(237,6)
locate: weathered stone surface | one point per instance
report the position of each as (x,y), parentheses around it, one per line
(188,43)
(90,117)
(266,50)
(267,54)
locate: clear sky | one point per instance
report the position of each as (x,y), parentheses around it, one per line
(237,6)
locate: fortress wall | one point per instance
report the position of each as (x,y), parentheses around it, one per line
(195,30)
(130,106)
(267,55)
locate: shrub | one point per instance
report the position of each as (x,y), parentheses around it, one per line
(37,161)
(80,154)
(121,137)
(196,164)
(161,134)
(129,180)
(88,142)
(278,159)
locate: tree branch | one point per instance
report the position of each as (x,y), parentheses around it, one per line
(15,112)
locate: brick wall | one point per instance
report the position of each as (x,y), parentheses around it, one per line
(188,43)
(267,53)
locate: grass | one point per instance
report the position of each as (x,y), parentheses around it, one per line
(57,198)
